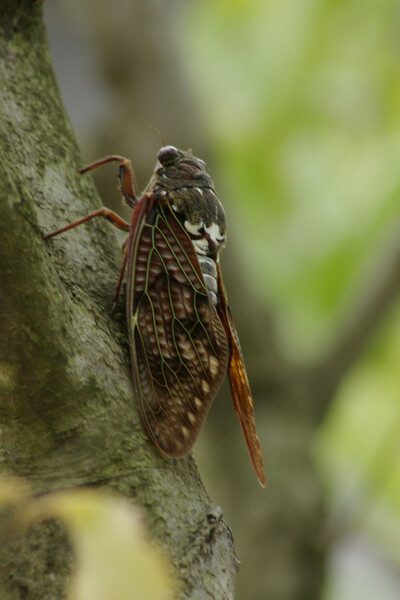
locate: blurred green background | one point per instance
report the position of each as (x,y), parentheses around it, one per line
(302,101)
(299,104)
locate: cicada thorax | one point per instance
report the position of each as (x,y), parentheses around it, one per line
(179,345)
(191,195)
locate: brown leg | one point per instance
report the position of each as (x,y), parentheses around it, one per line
(126,176)
(129,190)
(116,220)
(104,212)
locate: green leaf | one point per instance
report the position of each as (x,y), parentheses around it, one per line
(115,558)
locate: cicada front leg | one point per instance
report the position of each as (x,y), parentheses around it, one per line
(126,176)
(129,191)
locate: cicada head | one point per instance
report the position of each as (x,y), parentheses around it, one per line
(183,181)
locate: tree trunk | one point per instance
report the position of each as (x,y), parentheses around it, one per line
(68,416)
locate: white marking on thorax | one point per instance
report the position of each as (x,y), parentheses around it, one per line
(194,229)
(214,232)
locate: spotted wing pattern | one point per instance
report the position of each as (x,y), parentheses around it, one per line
(178,343)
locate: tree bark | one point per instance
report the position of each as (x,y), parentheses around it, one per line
(68,416)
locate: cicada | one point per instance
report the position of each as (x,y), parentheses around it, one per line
(182,337)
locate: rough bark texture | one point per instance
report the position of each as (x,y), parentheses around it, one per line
(67,413)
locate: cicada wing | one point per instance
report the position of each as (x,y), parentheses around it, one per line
(240,387)
(178,344)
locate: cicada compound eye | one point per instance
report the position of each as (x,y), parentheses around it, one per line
(167,155)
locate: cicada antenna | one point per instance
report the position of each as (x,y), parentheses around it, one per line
(159,133)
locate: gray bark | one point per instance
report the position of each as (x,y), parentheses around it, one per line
(68,416)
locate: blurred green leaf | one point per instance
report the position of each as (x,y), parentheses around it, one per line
(303,104)
(115,558)
(358,448)
(12,490)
